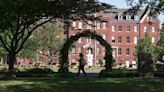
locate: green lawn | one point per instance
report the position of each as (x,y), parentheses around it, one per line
(83,85)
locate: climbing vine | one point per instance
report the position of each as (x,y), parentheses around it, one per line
(67,45)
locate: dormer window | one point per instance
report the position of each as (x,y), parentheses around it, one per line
(136,17)
(128,17)
(149,18)
(120,17)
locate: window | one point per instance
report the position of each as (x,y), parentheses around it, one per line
(135,40)
(89,40)
(98,25)
(153,28)
(128,28)
(89,24)
(104,36)
(113,52)
(73,50)
(98,51)
(120,17)
(128,17)
(80,50)
(153,39)
(80,40)
(103,51)
(104,25)
(113,39)
(127,51)
(80,24)
(119,51)
(149,18)
(113,28)
(136,17)
(74,24)
(119,39)
(119,28)
(145,28)
(128,39)
(135,28)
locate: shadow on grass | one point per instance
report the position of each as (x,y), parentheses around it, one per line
(86,85)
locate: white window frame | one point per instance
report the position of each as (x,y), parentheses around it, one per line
(104,25)
(113,28)
(113,39)
(128,17)
(104,36)
(136,17)
(127,49)
(89,24)
(135,28)
(74,24)
(98,25)
(128,28)
(80,25)
(80,40)
(89,40)
(153,28)
(153,39)
(135,40)
(145,28)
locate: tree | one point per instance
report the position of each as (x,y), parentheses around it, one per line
(19,18)
(155,6)
(144,46)
(160,45)
(48,38)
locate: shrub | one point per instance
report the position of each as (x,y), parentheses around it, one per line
(118,74)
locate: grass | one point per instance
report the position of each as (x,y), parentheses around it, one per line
(82,85)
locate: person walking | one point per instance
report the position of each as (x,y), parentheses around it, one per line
(81,64)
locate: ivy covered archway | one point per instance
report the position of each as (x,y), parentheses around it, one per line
(67,45)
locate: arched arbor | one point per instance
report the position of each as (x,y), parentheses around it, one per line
(65,50)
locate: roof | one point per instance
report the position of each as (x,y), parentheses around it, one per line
(114,13)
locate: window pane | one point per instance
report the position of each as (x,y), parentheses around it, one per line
(74,24)
(119,28)
(80,40)
(73,50)
(119,39)
(119,51)
(135,40)
(153,28)
(128,28)
(128,39)
(104,36)
(113,28)
(89,40)
(98,25)
(145,28)
(153,39)
(104,25)
(89,24)
(80,24)
(135,28)
(127,51)
(113,39)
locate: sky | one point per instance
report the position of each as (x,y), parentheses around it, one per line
(123,4)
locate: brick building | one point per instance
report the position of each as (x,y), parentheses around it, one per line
(122,31)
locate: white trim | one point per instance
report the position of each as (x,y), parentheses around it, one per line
(143,18)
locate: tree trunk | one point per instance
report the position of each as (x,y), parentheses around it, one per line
(10,73)
(11,60)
